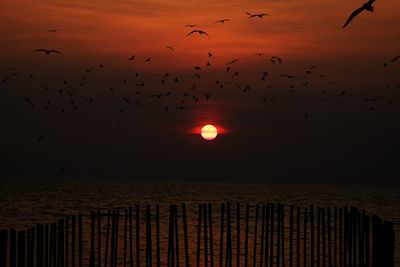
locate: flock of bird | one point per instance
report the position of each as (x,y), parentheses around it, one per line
(169,98)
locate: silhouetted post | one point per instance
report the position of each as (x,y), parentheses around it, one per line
(271,252)
(283,234)
(389,238)
(367,241)
(255,238)
(112,245)
(229,235)
(221,240)
(3,247)
(171,236)
(130,237)
(305,237)
(176,235)
(125,236)
(60,243)
(238,235)
(21,248)
(345,236)
(211,237)
(46,246)
(360,233)
(312,238)
(200,215)
(137,235)
(340,237)
(205,235)
(116,239)
(278,235)
(329,237)
(98,238)
(158,235)
(267,216)
(80,242)
(73,229)
(185,235)
(39,244)
(33,235)
(107,238)
(319,237)
(148,237)
(92,235)
(246,237)
(262,236)
(28,248)
(53,248)
(67,242)
(323,237)
(291,236)
(13,248)
(335,238)
(298,237)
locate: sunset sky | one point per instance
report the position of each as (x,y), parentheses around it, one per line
(279,130)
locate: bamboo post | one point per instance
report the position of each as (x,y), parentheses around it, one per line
(158,235)
(246,237)
(238,235)
(298,259)
(21,248)
(255,238)
(185,235)
(262,236)
(305,215)
(13,248)
(221,240)
(291,236)
(211,237)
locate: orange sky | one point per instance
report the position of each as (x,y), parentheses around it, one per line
(113,30)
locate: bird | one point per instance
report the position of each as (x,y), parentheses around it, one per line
(222,21)
(394,59)
(256,15)
(147,59)
(64,169)
(366,6)
(232,61)
(209,54)
(132,58)
(199,32)
(39,138)
(191,25)
(171,48)
(47,51)
(197,67)
(54,30)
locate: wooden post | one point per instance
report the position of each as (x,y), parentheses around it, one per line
(312,237)
(329,230)
(92,235)
(291,236)
(13,248)
(32,253)
(46,246)
(345,236)
(53,245)
(73,240)
(28,248)
(367,241)
(211,237)
(323,237)
(148,237)
(3,247)
(229,235)
(305,237)
(21,248)
(262,236)
(80,241)
(125,236)
(298,259)
(158,235)
(221,240)
(200,215)
(255,238)
(283,234)
(246,237)
(176,235)
(335,262)
(39,245)
(130,237)
(271,247)
(205,235)
(267,217)
(98,238)
(67,242)
(185,235)
(112,245)
(278,235)
(137,235)
(107,238)
(340,237)
(116,239)
(319,237)
(238,235)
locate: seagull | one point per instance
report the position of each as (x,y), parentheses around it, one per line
(191,25)
(367,6)
(199,32)
(232,62)
(47,51)
(256,15)
(170,47)
(222,21)
(209,54)
(132,58)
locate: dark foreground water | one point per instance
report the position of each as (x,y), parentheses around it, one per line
(22,205)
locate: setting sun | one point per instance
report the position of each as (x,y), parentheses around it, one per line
(209,132)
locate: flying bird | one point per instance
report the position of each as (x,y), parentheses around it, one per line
(256,15)
(394,59)
(191,25)
(132,58)
(47,51)
(222,21)
(199,32)
(171,48)
(54,30)
(367,6)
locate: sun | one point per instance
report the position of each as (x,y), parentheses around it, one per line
(209,132)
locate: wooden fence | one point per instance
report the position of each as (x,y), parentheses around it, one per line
(223,235)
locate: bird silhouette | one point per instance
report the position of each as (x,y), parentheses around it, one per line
(256,15)
(132,58)
(64,169)
(171,48)
(199,32)
(366,6)
(221,21)
(47,51)
(39,138)
(395,58)
(54,30)
(191,25)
